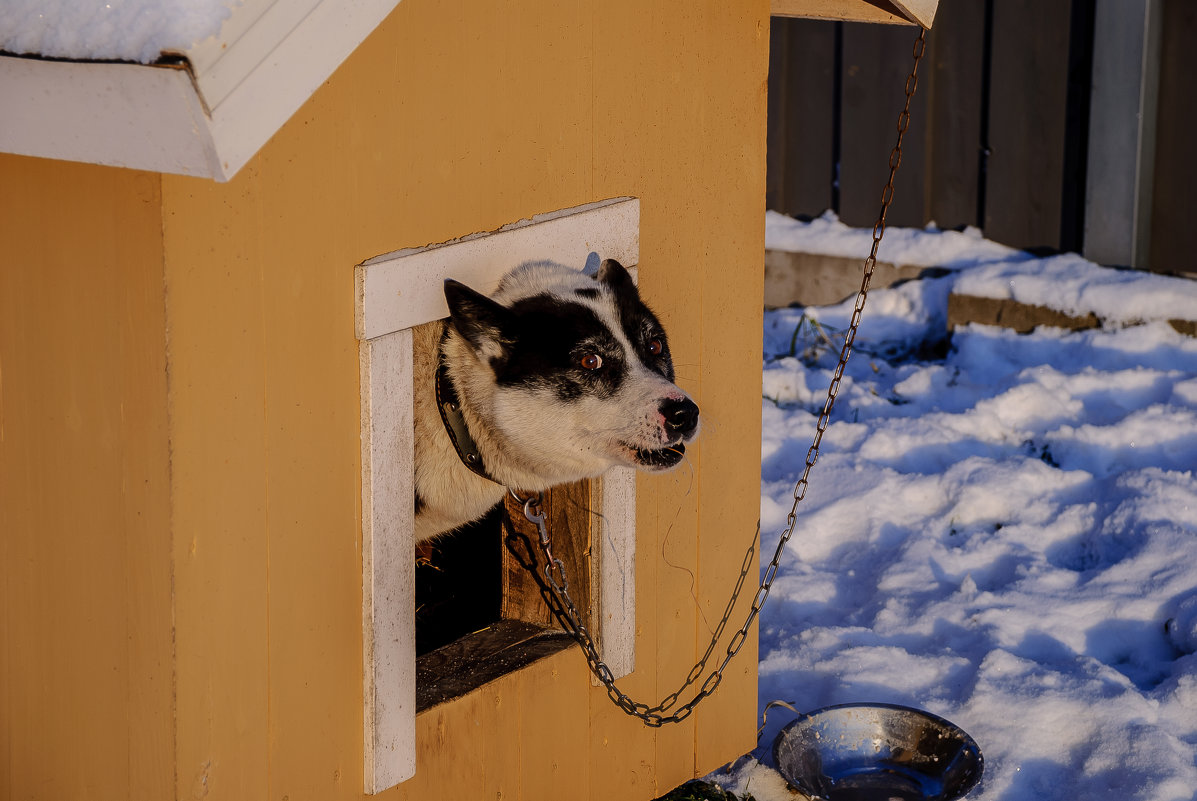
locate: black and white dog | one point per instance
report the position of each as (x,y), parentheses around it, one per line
(556,377)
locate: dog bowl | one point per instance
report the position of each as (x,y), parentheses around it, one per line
(877,752)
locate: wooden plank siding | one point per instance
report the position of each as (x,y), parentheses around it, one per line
(877,57)
(1176,168)
(802,128)
(1026,122)
(86,676)
(179,434)
(998,136)
(952,125)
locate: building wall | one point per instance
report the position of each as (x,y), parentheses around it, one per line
(451,118)
(86,706)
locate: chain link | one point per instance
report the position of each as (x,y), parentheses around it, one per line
(562,604)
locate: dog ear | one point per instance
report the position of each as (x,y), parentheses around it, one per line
(616,276)
(477,318)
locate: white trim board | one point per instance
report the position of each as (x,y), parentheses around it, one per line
(206,121)
(895,12)
(394,293)
(405,288)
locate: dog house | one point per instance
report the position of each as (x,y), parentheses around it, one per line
(191,398)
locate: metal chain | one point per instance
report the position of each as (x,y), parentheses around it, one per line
(562,604)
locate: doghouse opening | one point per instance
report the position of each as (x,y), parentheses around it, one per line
(396,293)
(480,611)
(458,584)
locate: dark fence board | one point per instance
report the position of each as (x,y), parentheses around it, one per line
(953,88)
(801,60)
(877,59)
(1176,167)
(1035,184)
(1026,122)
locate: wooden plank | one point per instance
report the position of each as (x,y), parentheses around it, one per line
(1013,314)
(1026,122)
(816,279)
(220,472)
(448,739)
(568,516)
(388,570)
(592,525)
(877,61)
(311,442)
(145,493)
(890,13)
(779,96)
(921,12)
(260,31)
(499,757)
(85,549)
(800,127)
(466,664)
(406,287)
(613,546)
(951,83)
(555,754)
(128,115)
(1170,222)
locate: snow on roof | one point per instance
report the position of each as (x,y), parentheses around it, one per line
(118,30)
(102,95)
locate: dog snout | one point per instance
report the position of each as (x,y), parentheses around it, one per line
(681,416)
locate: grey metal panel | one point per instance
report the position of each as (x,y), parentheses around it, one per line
(1121,131)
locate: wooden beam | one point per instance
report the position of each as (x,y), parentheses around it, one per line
(920,12)
(890,12)
(406,287)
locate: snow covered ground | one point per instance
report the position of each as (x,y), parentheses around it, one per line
(1001,529)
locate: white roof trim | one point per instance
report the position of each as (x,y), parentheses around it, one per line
(243,85)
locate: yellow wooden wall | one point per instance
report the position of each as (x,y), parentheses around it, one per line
(179,429)
(86,691)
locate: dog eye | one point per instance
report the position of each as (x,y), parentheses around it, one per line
(591,361)
(656,347)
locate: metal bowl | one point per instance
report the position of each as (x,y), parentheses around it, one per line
(877,752)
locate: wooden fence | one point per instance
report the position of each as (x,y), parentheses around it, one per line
(1000,126)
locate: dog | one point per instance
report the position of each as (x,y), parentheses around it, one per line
(556,377)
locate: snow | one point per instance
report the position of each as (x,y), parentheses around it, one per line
(1072,285)
(826,235)
(121,30)
(1066,283)
(1001,529)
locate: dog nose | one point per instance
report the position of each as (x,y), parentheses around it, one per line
(681,416)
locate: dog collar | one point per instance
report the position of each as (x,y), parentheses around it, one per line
(449,405)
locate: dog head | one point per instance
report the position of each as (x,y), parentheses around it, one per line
(568,374)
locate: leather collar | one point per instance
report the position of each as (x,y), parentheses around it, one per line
(449,405)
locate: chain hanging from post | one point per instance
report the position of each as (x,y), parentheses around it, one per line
(562,604)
